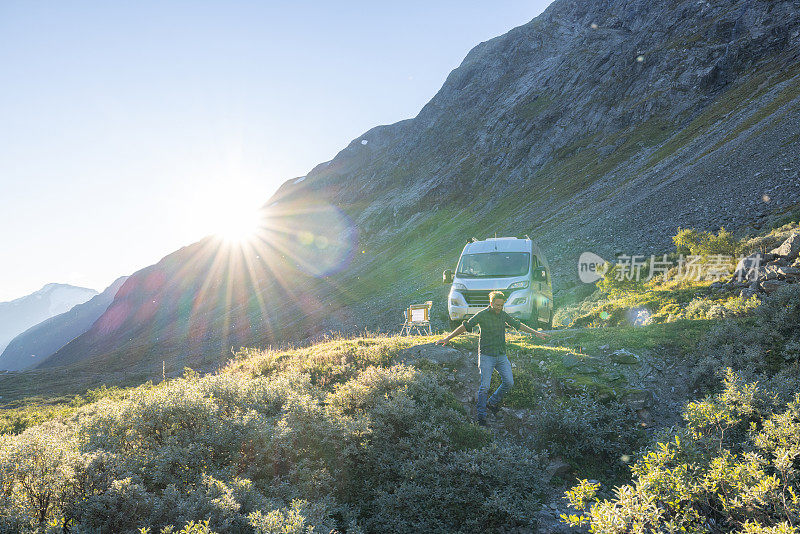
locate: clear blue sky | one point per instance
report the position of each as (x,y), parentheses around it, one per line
(129,128)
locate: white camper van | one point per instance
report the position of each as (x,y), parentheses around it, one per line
(512,265)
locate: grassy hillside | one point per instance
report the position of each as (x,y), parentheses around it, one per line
(349,434)
(376,433)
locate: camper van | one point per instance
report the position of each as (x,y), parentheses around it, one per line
(515,266)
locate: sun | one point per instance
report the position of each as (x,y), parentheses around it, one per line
(238,224)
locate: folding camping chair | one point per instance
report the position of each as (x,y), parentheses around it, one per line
(417,317)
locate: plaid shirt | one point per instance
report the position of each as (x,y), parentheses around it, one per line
(493,330)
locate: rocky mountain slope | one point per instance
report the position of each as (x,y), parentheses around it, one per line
(18,315)
(599,125)
(35,344)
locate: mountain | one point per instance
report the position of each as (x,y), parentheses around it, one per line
(40,341)
(20,314)
(600,125)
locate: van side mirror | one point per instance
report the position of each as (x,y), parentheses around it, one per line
(540,274)
(447,277)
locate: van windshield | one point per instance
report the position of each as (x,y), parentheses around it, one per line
(493,264)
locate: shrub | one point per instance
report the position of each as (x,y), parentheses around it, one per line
(766,344)
(732,467)
(283,451)
(38,472)
(618,280)
(707,308)
(587,432)
(696,242)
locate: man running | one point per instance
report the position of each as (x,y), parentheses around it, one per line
(492,350)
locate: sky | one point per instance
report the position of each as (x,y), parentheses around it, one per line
(131,129)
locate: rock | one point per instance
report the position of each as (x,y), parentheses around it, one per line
(770,272)
(789,272)
(638,399)
(770,286)
(613,376)
(747,293)
(645,417)
(624,357)
(748,267)
(573,362)
(430,351)
(789,248)
(558,467)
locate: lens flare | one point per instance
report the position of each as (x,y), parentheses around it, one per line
(239,225)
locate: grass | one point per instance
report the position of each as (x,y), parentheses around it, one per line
(531,109)
(784,96)
(22,413)
(337,360)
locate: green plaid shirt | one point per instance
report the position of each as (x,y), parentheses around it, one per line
(493,330)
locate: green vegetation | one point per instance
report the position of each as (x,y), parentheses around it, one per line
(765,345)
(362,434)
(733,467)
(532,108)
(332,437)
(682,291)
(19,415)
(699,243)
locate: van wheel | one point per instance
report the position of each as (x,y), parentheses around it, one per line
(533,320)
(547,324)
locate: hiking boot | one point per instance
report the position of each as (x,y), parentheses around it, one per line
(482,422)
(494,410)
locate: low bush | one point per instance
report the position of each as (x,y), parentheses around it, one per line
(587,433)
(761,346)
(733,467)
(284,451)
(699,243)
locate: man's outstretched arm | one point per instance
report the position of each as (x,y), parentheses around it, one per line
(458,331)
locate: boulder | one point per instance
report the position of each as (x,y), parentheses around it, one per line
(580,365)
(770,286)
(624,357)
(429,351)
(638,399)
(789,248)
(558,467)
(789,273)
(770,272)
(747,293)
(748,267)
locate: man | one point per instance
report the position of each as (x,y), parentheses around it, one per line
(492,350)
